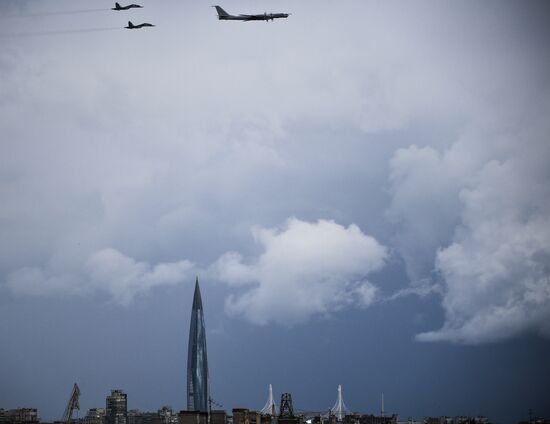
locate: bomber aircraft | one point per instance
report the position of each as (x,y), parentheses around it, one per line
(132,26)
(130,6)
(224,16)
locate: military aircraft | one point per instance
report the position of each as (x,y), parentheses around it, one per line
(130,6)
(224,16)
(132,26)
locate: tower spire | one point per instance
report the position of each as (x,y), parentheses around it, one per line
(197,300)
(197,358)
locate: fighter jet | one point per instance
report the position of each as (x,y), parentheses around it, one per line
(224,16)
(130,6)
(132,26)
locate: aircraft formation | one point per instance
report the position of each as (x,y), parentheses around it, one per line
(130,25)
(222,16)
(221,13)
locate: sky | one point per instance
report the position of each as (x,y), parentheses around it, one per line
(363,190)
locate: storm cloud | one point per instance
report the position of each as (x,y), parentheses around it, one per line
(124,165)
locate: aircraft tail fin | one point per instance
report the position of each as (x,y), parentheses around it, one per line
(130,24)
(221,13)
(117,6)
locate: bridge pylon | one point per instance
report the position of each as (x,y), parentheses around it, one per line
(339,410)
(270,408)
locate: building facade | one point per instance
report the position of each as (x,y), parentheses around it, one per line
(116,411)
(95,416)
(19,416)
(193,417)
(197,359)
(218,417)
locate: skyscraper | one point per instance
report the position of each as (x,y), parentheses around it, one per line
(197,360)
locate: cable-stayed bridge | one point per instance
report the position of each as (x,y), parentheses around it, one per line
(339,410)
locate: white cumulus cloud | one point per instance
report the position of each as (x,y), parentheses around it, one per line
(475,219)
(107,271)
(304,269)
(497,270)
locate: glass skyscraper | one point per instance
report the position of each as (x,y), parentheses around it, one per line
(197,359)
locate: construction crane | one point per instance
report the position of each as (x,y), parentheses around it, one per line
(72,405)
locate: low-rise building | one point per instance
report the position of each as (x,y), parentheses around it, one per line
(19,416)
(377,419)
(167,415)
(193,417)
(241,416)
(218,416)
(94,416)
(461,419)
(135,416)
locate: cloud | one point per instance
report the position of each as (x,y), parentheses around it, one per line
(179,145)
(106,271)
(424,182)
(304,269)
(497,270)
(167,157)
(474,219)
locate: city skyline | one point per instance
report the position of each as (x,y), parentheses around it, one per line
(116,411)
(362,188)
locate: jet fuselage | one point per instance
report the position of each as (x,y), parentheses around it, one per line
(132,26)
(128,7)
(224,16)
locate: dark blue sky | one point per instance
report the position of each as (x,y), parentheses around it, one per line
(143,351)
(362,188)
